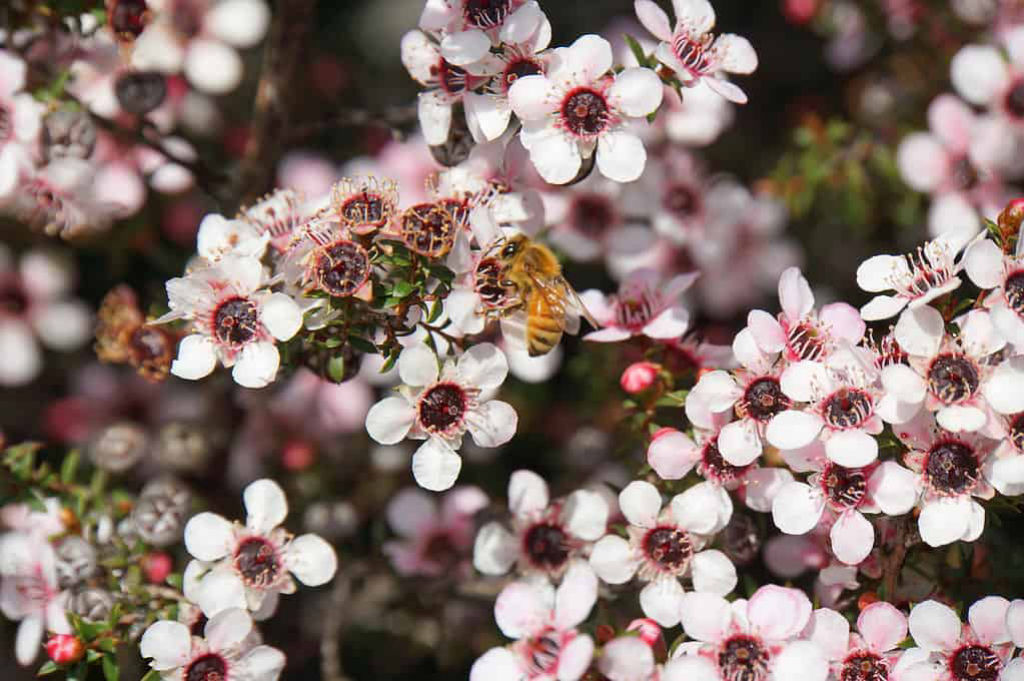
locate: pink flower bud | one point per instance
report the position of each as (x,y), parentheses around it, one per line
(799,12)
(660,432)
(297,455)
(157,565)
(65,648)
(639,377)
(650,632)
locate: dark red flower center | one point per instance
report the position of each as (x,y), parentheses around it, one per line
(6,124)
(487,283)
(585,112)
(953,378)
(1014,288)
(715,467)
(681,200)
(364,209)
(743,658)
(236,321)
(257,561)
(963,174)
(486,13)
(975,663)
(847,408)
(764,399)
(844,487)
(542,652)
(592,215)
(864,667)
(442,407)
(209,667)
(1016,433)
(692,53)
(14,300)
(952,467)
(149,344)
(669,548)
(546,545)
(806,341)
(441,550)
(128,18)
(451,78)
(520,68)
(1015,99)
(429,229)
(342,268)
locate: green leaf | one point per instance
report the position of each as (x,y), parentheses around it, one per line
(402,289)
(110,670)
(151,675)
(637,50)
(174,579)
(48,667)
(69,467)
(336,368)
(362,345)
(92,655)
(435,311)
(390,362)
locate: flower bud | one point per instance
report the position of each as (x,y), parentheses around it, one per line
(92,604)
(65,648)
(156,565)
(649,630)
(75,561)
(639,377)
(297,455)
(1010,219)
(68,134)
(139,92)
(118,447)
(160,514)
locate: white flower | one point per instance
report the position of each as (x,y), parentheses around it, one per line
(23,120)
(219,237)
(471,28)
(440,406)
(236,320)
(248,566)
(577,108)
(692,51)
(665,546)
(29,591)
(980,650)
(644,306)
(547,536)
(543,620)
(225,652)
(1003,275)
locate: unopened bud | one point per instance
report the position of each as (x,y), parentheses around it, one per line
(65,648)
(139,92)
(639,376)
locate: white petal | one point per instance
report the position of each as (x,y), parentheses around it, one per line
(719,389)
(532,97)
(435,466)
(22,358)
(778,612)
(262,662)
(988,619)
(762,486)
(704,508)
(983,262)
(626,658)
(196,357)
(411,512)
(556,157)
(522,24)
(829,631)
(218,591)
(670,323)
(212,66)
(713,572)
(28,640)
(311,559)
(281,315)
(590,57)
(735,54)
(1003,388)
(520,610)
(575,658)
(1015,621)
(797,508)
(166,643)
(672,455)
(621,156)
(882,307)
(613,560)
(483,366)
(851,448)
(920,331)
(494,550)
(227,628)
(960,419)
(922,160)
(492,114)
(576,595)
(493,423)
(389,421)
(585,514)
(697,15)
(934,626)
(640,502)
(497,664)
(241,23)
(877,272)
(690,668)
(636,92)
(978,73)
(767,331)
(465,47)
(209,536)
(527,493)
(661,600)
(435,115)
(852,537)
(257,365)
(904,383)
(653,19)
(739,443)
(795,295)
(893,488)
(801,380)
(418,366)
(793,429)
(265,504)
(944,521)
(63,325)
(801,660)
(705,616)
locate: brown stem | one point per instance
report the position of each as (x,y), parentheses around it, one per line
(894,564)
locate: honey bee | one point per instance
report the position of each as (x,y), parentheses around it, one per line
(530,277)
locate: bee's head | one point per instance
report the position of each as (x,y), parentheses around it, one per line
(512,246)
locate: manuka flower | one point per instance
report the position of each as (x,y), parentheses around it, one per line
(439,406)
(643,306)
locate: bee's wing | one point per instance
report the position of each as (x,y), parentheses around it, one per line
(554,291)
(580,307)
(566,295)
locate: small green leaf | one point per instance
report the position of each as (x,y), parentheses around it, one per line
(435,311)
(110,670)
(151,675)
(69,467)
(637,50)
(390,362)
(48,667)
(362,345)
(402,289)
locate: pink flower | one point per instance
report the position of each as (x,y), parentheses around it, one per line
(979,650)
(29,592)
(638,377)
(643,306)
(22,118)
(578,108)
(543,621)
(691,50)
(471,28)
(435,539)
(757,638)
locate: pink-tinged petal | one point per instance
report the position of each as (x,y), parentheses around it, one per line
(636,92)
(795,295)
(727,90)
(852,537)
(262,662)
(923,163)
(766,330)
(778,613)
(1015,622)
(801,660)
(944,521)
(227,629)
(851,448)
(418,366)
(763,484)
(669,324)
(640,502)
(435,466)
(585,515)
(465,47)
(265,504)
(843,321)
(984,264)
(497,664)
(590,57)
(1013,671)
(613,560)
(829,631)
(493,423)
(672,455)
(988,620)
(167,643)
(883,626)
(748,354)
(621,156)
(697,15)
(793,429)
(1003,388)
(435,116)
(661,600)
(883,307)
(978,73)
(209,536)
(713,572)
(735,54)
(575,658)
(628,658)
(920,331)
(690,668)
(389,421)
(893,488)
(904,383)
(653,19)
(952,121)
(934,626)
(797,508)
(527,493)
(13,69)
(494,550)
(952,215)
(311,559)
(521,609)
(739,443)
(576,595)
(800,380)
(705,616)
